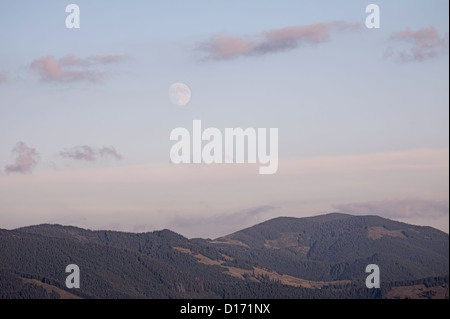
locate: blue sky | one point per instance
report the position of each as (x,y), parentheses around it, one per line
(354,94)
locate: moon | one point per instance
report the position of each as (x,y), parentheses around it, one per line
(179,94)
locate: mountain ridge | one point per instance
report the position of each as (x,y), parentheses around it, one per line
(320,256)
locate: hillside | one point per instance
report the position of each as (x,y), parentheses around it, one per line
(316,257)
(337,246)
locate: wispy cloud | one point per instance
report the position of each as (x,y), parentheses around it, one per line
(207,226)
(3,78)
(423,44)
(71,68)
(211,200)
(226,47)
(398,208)
(26,159)
(106,59)
(82,153)
(91,154)
(110,151)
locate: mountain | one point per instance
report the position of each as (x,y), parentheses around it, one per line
(337,246)
(316,257)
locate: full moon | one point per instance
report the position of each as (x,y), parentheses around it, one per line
(179,94)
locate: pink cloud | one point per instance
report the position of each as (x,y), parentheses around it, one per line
(310,33)
(52,70)
(26,159)
(71,68)
(91,154)
(225,47)
(425,43)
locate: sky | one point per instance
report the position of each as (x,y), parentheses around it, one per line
(85,113)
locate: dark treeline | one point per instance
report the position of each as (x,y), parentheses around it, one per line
(164,264)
